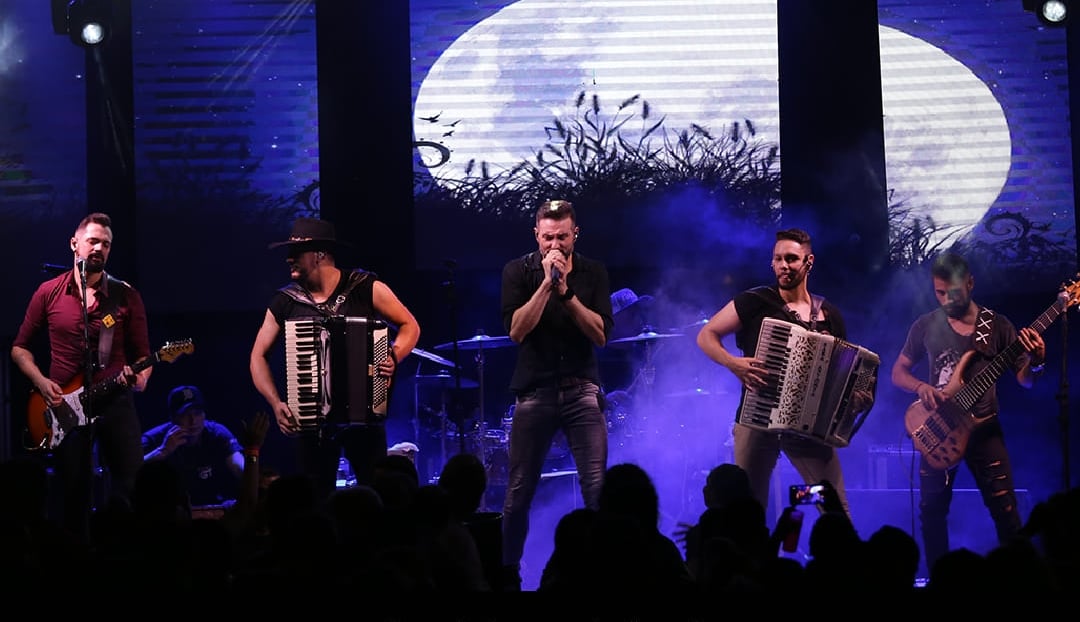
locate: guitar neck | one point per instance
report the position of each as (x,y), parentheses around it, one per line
(981,383)
(111,384)
(146,362)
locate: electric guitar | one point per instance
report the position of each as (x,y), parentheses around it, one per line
(942,434)
(48,425)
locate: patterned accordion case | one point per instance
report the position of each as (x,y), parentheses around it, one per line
(812,377)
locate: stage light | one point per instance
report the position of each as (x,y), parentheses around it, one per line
(92,33)
(86,22)
(1049,12)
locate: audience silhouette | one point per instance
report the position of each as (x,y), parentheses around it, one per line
(398,537)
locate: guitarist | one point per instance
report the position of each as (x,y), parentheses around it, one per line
(941,338)
(117,332)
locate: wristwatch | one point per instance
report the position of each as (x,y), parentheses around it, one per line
(568,295)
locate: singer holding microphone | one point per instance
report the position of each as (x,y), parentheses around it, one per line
(556,305)
(96,327)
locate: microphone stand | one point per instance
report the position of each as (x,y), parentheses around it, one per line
(1063,402)
(88,363)
(455,401)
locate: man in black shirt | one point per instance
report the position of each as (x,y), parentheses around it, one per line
(757,450)
(556,305)
(320,289)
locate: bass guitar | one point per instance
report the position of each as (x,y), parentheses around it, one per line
(48,425)
(942,434)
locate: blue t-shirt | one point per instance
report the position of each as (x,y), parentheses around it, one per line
(203,465)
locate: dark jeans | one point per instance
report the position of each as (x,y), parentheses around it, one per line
(364,446)
(118,433)
(538,415)
(988,460)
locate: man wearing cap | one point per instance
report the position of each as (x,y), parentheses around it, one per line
(204,452)
(319,289)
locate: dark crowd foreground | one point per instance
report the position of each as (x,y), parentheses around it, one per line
(374,549)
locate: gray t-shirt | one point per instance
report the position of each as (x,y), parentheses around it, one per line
(933,340)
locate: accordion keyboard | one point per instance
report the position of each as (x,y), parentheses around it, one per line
(306,346)
(776,344)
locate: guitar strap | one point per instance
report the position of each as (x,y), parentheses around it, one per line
(984,325)
(108,320)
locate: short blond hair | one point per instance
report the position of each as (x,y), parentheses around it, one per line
(556,209)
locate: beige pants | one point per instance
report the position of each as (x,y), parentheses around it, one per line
(757,452)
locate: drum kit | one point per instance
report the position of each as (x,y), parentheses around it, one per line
(457,431)
(471,434)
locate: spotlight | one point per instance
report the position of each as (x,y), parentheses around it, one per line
(1049,12)
(86,22)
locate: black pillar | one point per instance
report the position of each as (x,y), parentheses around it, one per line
(365,130)
(832,145)
(110,184)
(1072,42)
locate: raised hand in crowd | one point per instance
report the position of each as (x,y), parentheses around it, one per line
(830,498)
(252,436)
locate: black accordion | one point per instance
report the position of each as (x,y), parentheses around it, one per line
(331,365)
(812,377)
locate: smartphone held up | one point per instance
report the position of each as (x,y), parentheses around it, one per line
(806,494)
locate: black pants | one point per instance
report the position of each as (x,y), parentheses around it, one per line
(988,460)
(364,446)
(118,435)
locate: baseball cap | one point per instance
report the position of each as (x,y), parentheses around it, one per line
(183,397)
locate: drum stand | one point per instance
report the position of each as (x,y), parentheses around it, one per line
(481,431)
(644,380)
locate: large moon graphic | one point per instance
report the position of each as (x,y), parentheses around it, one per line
(493,91)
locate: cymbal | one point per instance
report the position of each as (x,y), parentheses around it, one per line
(434,358)
(696,326)
(689,393)
(648,335)
(445,381)
(478,342)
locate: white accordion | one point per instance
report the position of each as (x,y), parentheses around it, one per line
(331,370)
(812,377)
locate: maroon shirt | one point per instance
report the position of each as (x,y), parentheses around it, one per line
(57,308)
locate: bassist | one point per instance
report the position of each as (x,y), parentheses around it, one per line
(958,340)
(114,337)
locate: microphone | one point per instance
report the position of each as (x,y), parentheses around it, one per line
(556,276)
(81,265)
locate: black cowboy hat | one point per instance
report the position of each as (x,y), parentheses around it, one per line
(312,232)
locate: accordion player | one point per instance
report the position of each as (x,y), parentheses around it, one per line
(331,364)
(812,380)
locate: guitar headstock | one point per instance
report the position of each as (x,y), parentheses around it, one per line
(174,349)
(1070,292)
